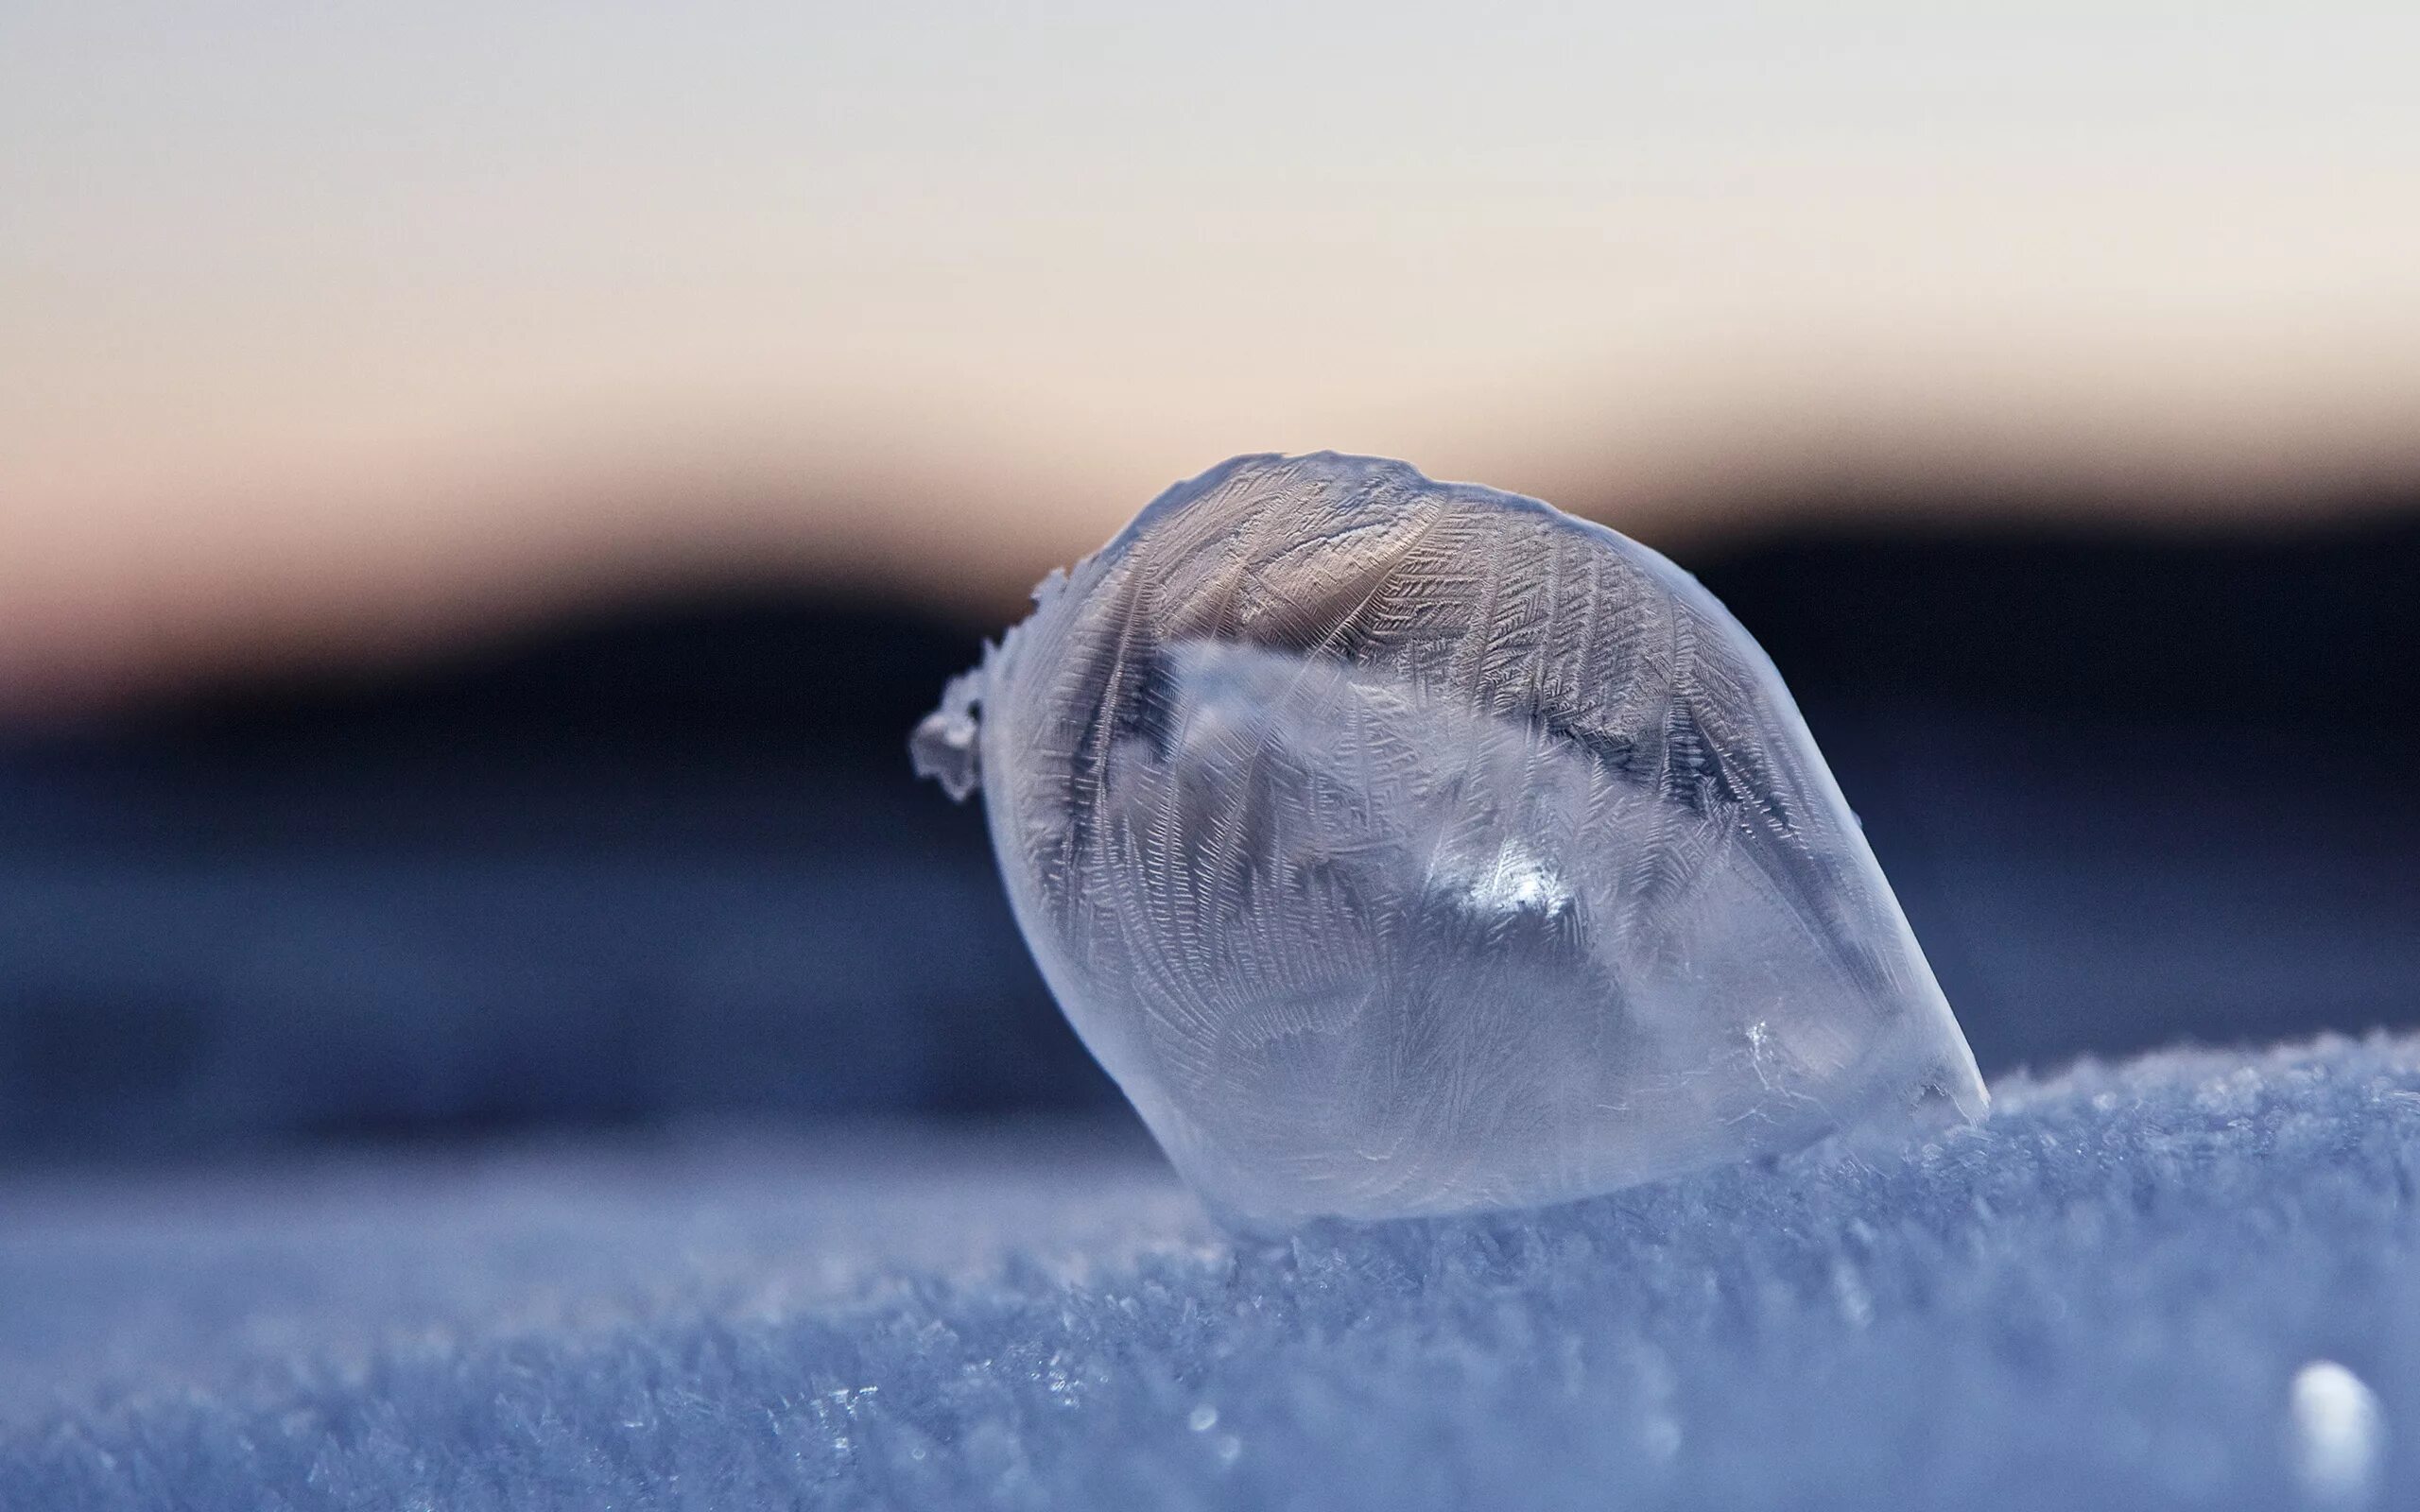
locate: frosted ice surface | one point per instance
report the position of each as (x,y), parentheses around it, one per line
(1408,847)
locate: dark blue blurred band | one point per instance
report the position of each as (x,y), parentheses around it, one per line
(669,863)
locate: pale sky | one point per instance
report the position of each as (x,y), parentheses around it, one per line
(321,323)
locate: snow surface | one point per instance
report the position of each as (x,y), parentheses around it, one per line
(2193,1280)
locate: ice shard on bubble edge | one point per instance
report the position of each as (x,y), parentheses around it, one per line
(1408,847)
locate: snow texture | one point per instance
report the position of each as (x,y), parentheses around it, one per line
(1407,847)
(2190,1281)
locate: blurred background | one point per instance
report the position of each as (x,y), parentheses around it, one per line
(485,492)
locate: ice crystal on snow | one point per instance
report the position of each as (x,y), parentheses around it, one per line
(1410,848)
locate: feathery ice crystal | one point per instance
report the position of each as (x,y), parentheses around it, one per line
(1408,848)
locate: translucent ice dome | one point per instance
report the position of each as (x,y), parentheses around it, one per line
(1408,848)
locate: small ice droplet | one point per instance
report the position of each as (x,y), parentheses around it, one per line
(2339,1435)
(943,747)
(1409,848)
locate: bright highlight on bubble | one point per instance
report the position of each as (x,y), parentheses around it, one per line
(1407,847)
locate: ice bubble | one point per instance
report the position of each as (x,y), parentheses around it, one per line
(1408,848)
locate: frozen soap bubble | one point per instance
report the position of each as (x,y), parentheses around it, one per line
(1408,847)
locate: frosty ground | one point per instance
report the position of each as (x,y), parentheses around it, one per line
(2103,1297)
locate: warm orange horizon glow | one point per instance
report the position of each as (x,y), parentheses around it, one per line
(329,336)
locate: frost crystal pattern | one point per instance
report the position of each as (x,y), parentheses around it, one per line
(1409,848)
